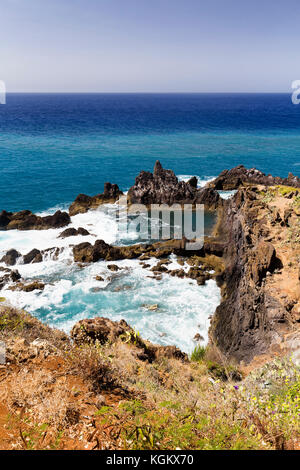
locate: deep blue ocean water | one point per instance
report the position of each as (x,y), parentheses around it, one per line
(54,146)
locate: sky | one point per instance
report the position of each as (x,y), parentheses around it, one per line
(149,45)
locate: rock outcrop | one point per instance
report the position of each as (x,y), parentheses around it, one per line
(87,253)
(10,258)
(238,176)
(105,330)
(83,203)
(27,286)
(252,319)
(34,256)
(162,187)
(8,276)
(73,232)
(26,220)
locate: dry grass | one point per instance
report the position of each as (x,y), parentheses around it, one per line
(163,404)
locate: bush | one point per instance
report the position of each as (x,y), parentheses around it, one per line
(198,354)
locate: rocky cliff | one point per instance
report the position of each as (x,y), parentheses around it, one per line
(162,187)
(260,307)
(234,178)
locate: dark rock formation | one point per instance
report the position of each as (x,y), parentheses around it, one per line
(7,276)
(248,320)
(72,232)
(26,220)
(193,182)
(83,202)
(234,178)
(10,258)
(34,256)
(28,287)
(163,187)
(88,253)
(113,267)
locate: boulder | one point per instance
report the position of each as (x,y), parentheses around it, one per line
(8,276)
(113,267)
(99,329)
(105,330)
(87,253)
(28,287)
(193,182)
(73,232)
(83,203)
(26,220)
(34,256)
(10,257)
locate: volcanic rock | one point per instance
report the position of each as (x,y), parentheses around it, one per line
(26,220)
(83,202)
(163,187)
(34,256)
(238,176)
(10,257)
(7,276)
(72,232)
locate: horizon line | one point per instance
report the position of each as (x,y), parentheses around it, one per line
(150,92)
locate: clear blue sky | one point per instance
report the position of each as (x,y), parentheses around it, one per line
(149,45)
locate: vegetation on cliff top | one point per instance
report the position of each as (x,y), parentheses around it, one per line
(56,395)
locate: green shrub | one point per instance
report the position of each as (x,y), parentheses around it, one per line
(198,354)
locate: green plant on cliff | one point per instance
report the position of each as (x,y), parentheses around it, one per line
(198,353)
(11,320)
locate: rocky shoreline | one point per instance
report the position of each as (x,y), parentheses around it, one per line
(254,252)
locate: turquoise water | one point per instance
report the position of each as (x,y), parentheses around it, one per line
(53,147)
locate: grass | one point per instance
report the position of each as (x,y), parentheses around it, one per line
(161,404)
(280,190)
(198,353)
(11,320)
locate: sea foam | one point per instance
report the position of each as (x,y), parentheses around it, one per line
(72,293)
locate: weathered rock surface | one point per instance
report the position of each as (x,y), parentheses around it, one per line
(87,253)
(83,202)
(7,276)
(234,178)
(28,286)
(162,187)
(249,319)
(105,330)
(73,232)
(98,329)
(26,220)
(34,256)
(10,258)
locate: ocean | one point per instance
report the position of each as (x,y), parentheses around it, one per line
(55,146)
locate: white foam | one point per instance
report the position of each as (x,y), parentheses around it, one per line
(72,293)
(201,181)
(227,194)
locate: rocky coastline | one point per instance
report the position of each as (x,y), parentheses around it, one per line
(253,253)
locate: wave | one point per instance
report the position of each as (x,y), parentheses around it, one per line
(202,181)
(72,292)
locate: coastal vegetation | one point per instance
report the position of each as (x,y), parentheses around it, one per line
(59,395)
(105,387)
